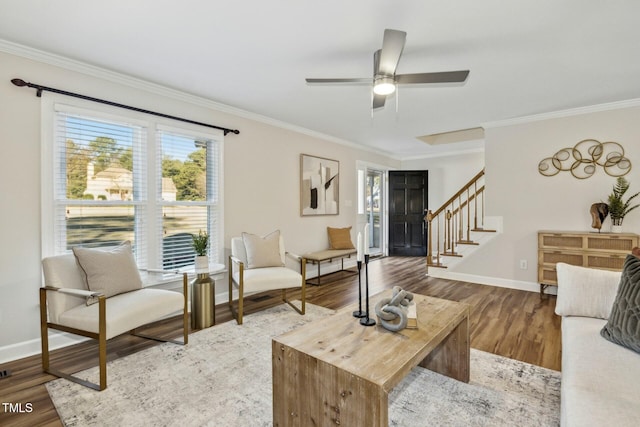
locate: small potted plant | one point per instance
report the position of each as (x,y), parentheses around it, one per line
(618,208)
(200,244)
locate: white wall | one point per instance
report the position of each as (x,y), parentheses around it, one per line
(261,178)
(262,174)
(19,209)
(528,201)
(262,188)
(447,174)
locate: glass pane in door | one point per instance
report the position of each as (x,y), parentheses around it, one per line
(374,210)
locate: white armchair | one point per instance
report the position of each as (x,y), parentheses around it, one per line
(257,264)
(67,304)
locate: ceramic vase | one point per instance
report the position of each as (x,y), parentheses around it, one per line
(202,264)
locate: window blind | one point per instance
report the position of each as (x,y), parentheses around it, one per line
(188,170)
(99,182)
(116,179)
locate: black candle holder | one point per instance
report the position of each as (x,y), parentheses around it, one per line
(366,321)
(359,313)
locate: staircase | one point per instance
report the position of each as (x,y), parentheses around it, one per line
(457,228)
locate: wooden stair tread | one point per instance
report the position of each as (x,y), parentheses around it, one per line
(451,254)
(483,230)
(467,242)
(439,265)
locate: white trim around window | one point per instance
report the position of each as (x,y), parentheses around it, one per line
(160,214)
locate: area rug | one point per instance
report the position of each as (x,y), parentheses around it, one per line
(223,378)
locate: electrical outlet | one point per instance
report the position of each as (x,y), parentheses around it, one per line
(523,264)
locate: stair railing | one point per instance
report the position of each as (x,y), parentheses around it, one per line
(457,217)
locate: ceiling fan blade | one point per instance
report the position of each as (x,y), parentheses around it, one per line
(442,77)
(378,101)
(392,46)
(340,81)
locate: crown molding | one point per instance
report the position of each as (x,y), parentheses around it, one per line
(451,153)
(598,108)
(137,83)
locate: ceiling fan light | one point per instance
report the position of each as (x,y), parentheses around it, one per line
(384,86)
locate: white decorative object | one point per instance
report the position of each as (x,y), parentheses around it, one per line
(359,256)
(366,239)
(616,229)
(202,264)
(618,208)
(200,245)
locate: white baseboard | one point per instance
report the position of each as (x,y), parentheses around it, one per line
(442,273)
(32,347)
(57,340)
(60,339)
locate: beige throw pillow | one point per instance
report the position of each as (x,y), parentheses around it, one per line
(340,238)
(110,271)
(263,251)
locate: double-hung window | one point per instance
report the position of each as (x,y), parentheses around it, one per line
(114,178)
(188,197)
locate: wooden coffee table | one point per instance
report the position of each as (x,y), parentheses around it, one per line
(335,371)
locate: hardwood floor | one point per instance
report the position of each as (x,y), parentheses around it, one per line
(516,324)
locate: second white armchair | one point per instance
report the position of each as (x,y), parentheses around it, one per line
(257,264)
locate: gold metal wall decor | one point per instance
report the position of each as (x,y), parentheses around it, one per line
(582,160)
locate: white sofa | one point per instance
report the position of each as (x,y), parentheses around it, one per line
(600,379)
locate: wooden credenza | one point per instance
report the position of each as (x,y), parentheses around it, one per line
(605,251)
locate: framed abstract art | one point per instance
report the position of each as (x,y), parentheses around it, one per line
(319,186)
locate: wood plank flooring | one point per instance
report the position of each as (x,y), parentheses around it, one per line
(516,324)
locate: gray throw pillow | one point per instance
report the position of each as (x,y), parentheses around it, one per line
(263,251)
(110,271)
(623,327)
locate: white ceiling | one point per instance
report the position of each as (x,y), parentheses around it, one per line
(526,57)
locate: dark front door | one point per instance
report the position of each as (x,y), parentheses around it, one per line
(407,208)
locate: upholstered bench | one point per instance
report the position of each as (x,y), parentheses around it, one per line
(340,247)
(324,256)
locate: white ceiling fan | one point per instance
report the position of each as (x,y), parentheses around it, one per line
(385,79)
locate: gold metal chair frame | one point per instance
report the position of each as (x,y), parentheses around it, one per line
(45,325)
(238,316)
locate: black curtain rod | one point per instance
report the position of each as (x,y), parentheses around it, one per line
(40,88)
